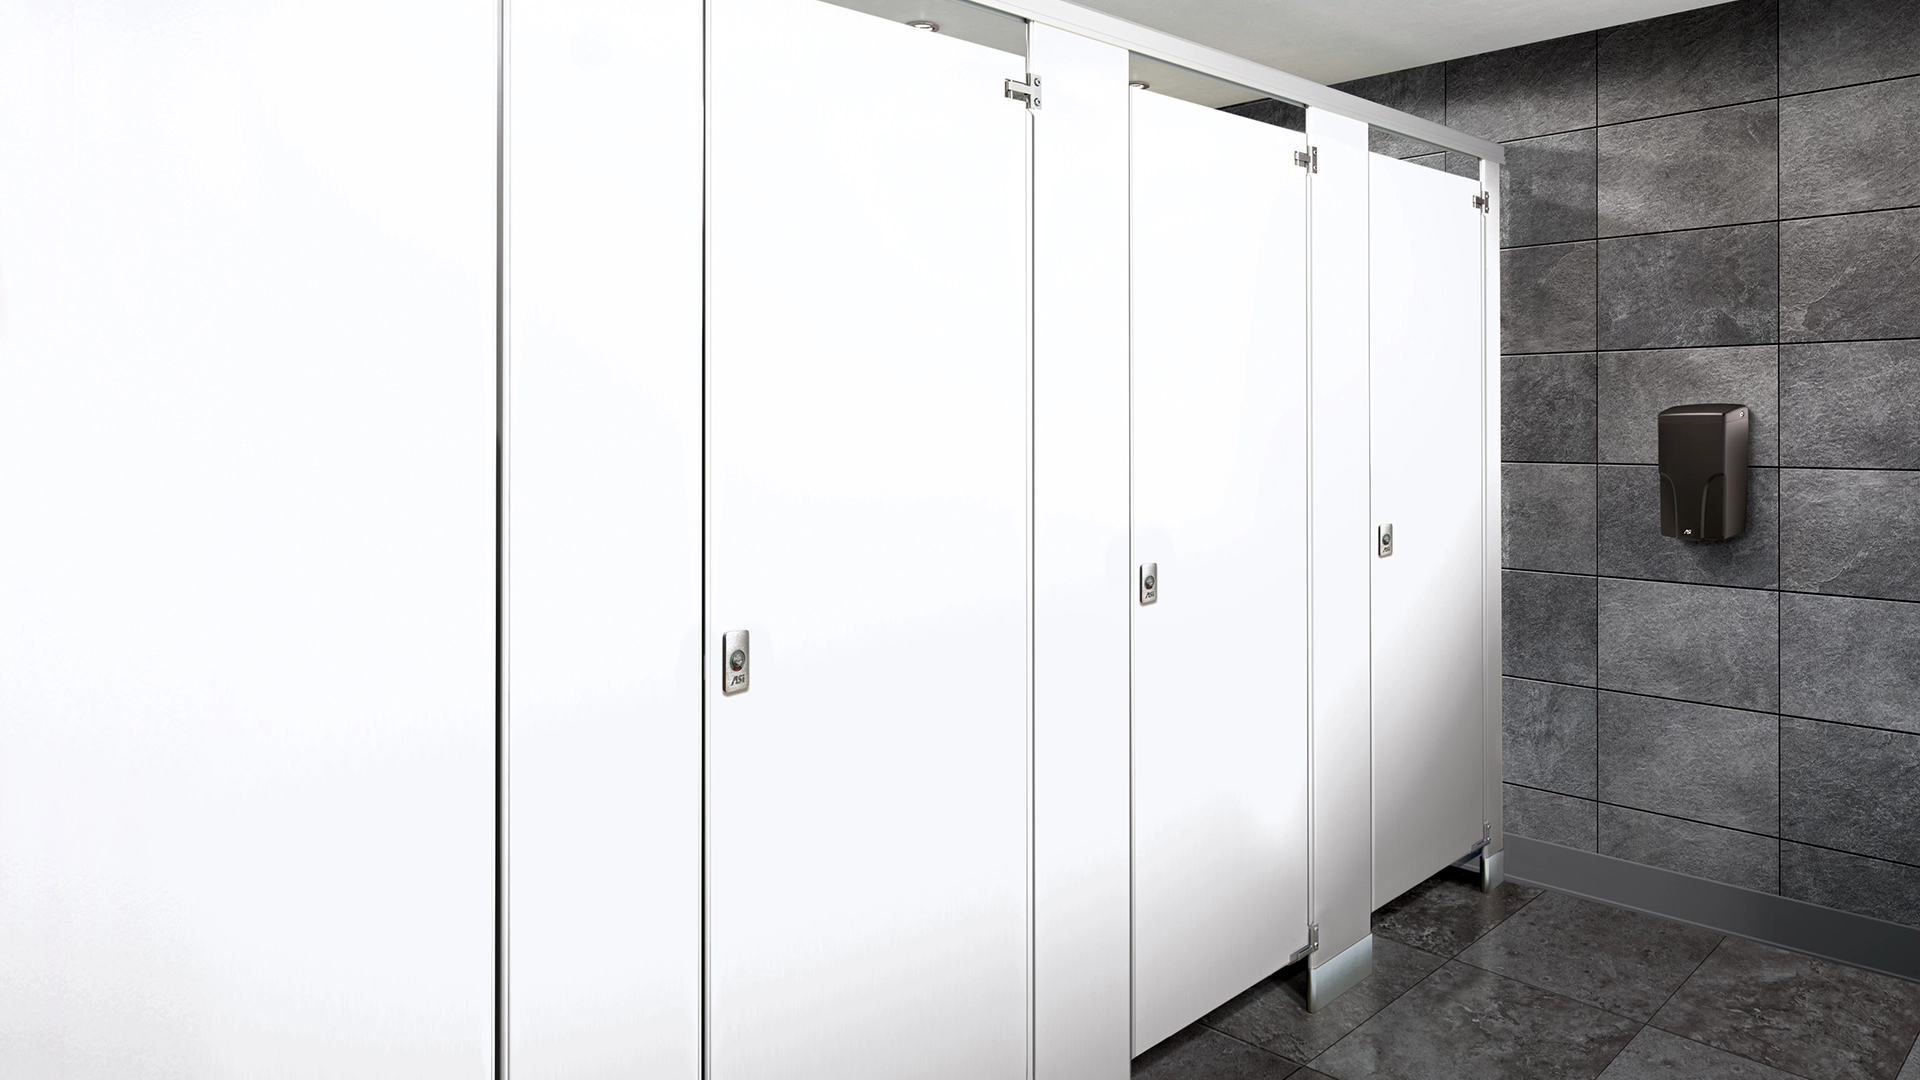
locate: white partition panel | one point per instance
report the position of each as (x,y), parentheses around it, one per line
(1219,504)
(1491,634)
(1081,574)
(1428,479)
(603,650)
(247,461)
(1342,549)
(867,513)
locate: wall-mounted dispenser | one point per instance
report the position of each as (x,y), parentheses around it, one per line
(1703,471)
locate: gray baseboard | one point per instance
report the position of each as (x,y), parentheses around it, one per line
(1790,924)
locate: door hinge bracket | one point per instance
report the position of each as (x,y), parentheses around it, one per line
(1313,944)
(1483,203)
(1308,159)
(1028,91)
(1486,839)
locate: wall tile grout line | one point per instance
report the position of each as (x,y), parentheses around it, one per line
(1599,842)
(1714,705)
(1697,348)
(1747,224)
(1695,821)
(1751,468)
(1779,513)
(1843,86)
(1719,585)
(1777,95)
(1784,840)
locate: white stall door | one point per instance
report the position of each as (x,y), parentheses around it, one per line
(867,526)
(247,439)
(1219,504)
(1427,484)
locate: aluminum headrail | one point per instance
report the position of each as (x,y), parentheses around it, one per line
(1223,65)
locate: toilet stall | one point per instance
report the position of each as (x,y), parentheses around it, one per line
(866,537)
(1220,445)
(818,540)
(1435,581)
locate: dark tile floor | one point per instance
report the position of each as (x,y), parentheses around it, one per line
(1525,983)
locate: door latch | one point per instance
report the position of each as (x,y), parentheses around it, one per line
(1386,541)
(735,662)
(1149,583)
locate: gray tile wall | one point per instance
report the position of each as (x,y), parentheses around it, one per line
(1719,205)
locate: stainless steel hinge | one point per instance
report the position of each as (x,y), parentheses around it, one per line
(1028,91)
(1482,203)
(1308,159)
(1486,838)
(1313,944)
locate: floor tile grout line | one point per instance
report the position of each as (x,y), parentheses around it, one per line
(1683,982)
(1723,1049)
(1564,996)
(1498,923)
(1721,941)
(1640,1024)
(1623,1049)
(1243,1042)
(1396,1000)
(1203,1020)
(1376,1012)
(1649,1021)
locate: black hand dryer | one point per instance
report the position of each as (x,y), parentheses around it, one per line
(1703,471)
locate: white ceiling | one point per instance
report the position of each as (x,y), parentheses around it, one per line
(1330,41)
